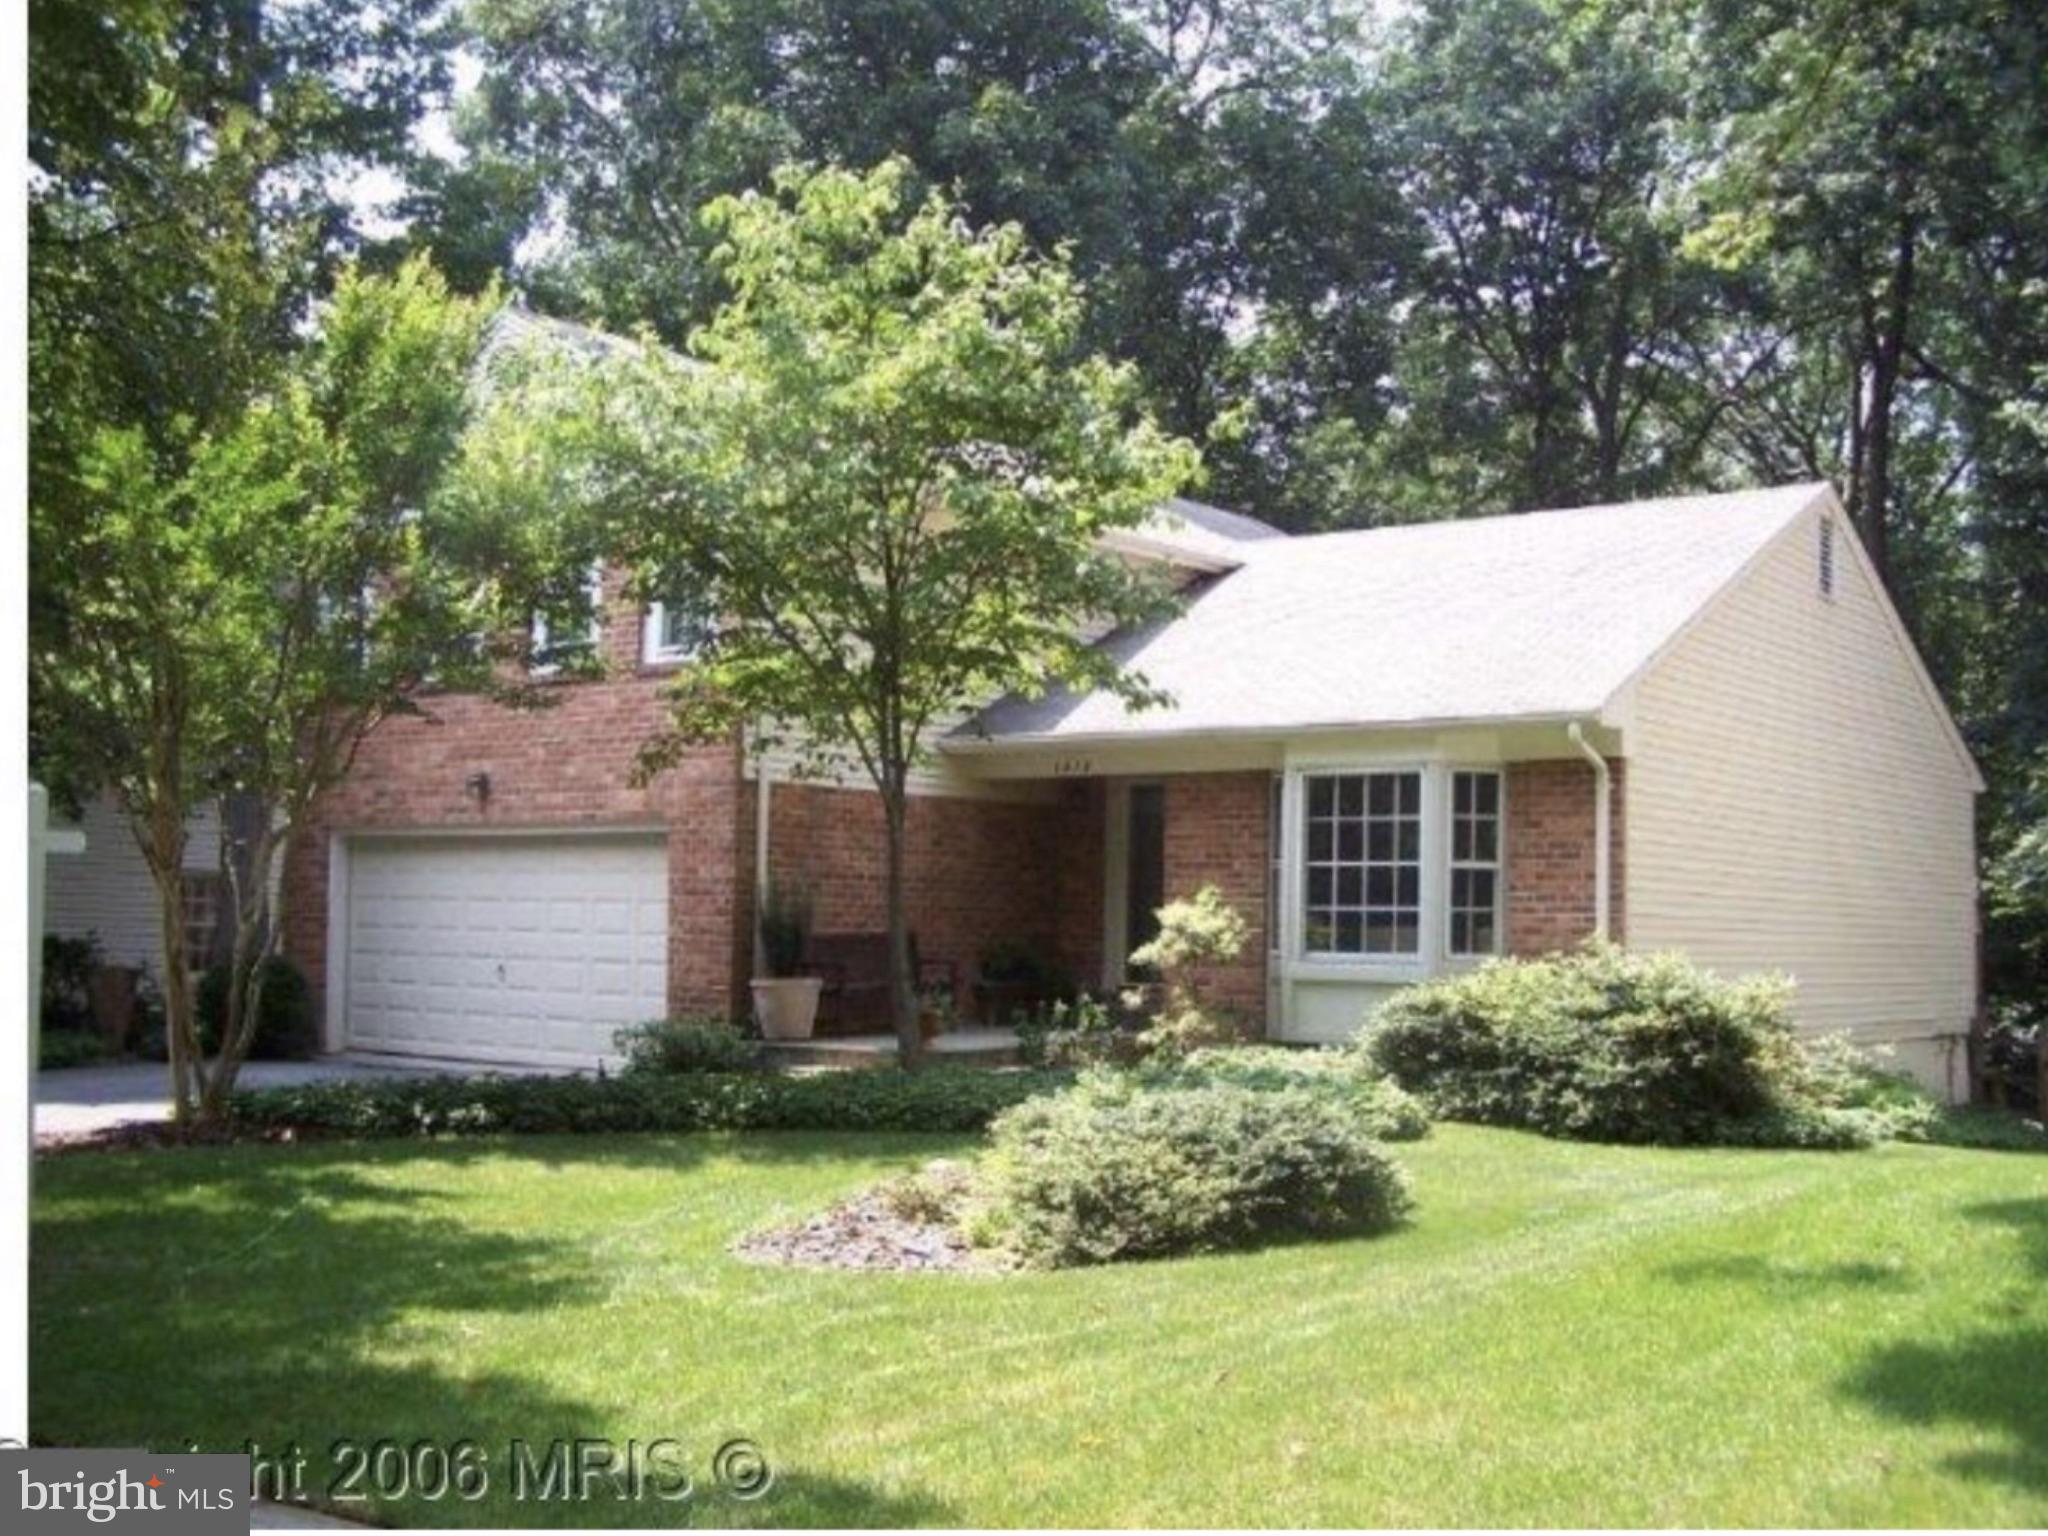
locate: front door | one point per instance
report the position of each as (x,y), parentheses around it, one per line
(1144,869)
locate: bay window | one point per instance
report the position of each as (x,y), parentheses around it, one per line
(1391,869)
(1475,891)
(1362,863)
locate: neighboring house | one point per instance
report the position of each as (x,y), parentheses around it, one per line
(105,892)
(1696,724)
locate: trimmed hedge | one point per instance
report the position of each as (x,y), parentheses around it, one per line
(952,1099)
(1604,1045)
(1113,1171)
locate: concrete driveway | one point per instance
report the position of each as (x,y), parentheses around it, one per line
(78,1101)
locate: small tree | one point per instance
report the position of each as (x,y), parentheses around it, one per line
(232,617)
(882,477)
(1195,932)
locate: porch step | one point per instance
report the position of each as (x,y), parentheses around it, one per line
(964,1047)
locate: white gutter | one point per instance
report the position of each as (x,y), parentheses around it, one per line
(1603,829)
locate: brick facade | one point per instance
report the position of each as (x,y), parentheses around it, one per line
(567,765)
(1550,855)
(1216,834)
(976,872)
(979,871)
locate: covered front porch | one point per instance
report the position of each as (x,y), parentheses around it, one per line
(1361,861)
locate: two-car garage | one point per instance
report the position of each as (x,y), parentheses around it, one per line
(521,948)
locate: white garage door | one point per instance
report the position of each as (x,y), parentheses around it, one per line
(514,949)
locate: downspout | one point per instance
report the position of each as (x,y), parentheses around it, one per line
(761,789)
(1603,830)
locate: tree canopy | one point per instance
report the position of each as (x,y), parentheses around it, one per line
(880,480)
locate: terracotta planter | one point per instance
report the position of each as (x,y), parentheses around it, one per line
(786,1007)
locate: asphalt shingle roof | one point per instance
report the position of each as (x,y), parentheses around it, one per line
(1533,615)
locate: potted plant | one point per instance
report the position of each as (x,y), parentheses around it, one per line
(936,1012)
(785,1001)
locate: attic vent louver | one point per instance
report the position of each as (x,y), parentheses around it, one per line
(1827,557)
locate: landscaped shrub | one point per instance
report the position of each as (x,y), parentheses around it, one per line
(1083,1031)
(1382,1107)
(68,965)
(1195,933)
(1605,1045)
(286,1029)
(60,1048)
(2011,1057)
(699,1044)
(938,1098)
(1113,1170)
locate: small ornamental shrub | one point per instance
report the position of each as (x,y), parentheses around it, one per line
(936,1098)
(1082,1031)
(1604,1045)
(1385,1110)
(1195,933)
(936,1195)
(60,1048)
(68,965)
(1832,1072)
(1111,1170)
(286,1029)
(700,1044)
(785,923)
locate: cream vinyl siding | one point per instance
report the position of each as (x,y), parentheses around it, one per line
(107,891)
(1797,800)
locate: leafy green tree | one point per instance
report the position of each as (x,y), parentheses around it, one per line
(234,617)
(1172,146)
(1538,138)
(882,479)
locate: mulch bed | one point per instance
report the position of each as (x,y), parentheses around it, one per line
(864,1233)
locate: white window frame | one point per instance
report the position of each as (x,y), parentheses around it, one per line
(595,587)
(654,651)
(1428,792)
(1498,865)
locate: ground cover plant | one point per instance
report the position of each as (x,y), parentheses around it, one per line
(1561,1333)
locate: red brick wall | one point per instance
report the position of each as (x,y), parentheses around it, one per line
(567,765)
(1216,834)
(1550,860)
(975,871)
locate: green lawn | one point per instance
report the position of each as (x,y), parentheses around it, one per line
(1564,1335)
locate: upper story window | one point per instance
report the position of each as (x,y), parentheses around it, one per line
(1475,892)
(1362,863)
(674,631)
(552,647)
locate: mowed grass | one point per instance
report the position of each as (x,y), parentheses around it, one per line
(1567,1335)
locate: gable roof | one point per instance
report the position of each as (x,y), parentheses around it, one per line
(1528,616)
(1191,534)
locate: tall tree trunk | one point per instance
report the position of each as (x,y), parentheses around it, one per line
(903,1001)
(257,933)
(1886,332)
(163,846)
